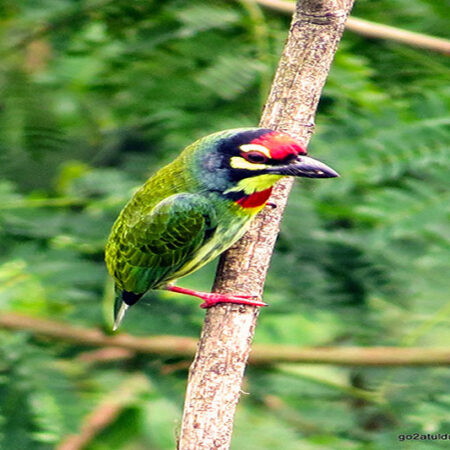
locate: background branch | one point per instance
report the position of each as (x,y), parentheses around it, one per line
(374,30)
(359,26)
(106,413)
(123,346)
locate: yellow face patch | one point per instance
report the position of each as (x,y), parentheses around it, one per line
(255,148)
(255,184)
(238,162)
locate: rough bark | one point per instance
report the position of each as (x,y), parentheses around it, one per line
(215,378)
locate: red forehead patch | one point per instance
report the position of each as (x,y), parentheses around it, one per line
(280,145)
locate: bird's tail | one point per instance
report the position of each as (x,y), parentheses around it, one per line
(122,302)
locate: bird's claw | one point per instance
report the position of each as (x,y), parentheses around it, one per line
(213,299)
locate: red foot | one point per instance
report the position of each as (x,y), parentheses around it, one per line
(211,299)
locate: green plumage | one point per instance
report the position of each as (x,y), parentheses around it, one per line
(196,207)
(173,224)
(159,242)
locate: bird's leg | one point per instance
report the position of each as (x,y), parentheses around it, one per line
(212,298)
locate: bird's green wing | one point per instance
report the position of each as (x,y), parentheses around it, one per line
(161,242)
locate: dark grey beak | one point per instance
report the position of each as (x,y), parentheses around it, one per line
(304,166)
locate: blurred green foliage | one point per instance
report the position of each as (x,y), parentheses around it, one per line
(96,95)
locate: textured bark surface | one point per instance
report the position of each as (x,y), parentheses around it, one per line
(215,377)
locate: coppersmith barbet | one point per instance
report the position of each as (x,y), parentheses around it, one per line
(196,207)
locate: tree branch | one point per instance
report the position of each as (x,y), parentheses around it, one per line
(123,346)
(375,30)
(359,26)
(215,377)
(106,413)
(161,345)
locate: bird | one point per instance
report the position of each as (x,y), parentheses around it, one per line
(196,207)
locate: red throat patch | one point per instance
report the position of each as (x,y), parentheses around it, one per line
(255,200)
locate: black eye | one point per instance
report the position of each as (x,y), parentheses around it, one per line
(255,157)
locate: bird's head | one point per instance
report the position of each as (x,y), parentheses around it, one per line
(240,163)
